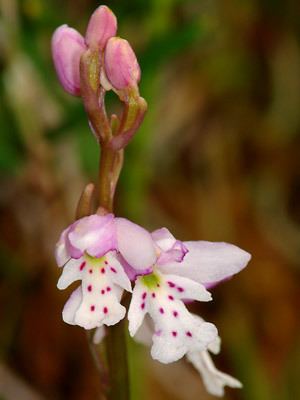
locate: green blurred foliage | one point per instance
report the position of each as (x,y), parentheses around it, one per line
(217,158)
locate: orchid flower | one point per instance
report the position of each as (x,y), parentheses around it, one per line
(181,271)
(105,253)
(88,252)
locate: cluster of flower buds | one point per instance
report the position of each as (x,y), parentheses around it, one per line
(109,254)
(91,65)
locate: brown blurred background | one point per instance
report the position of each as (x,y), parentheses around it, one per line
(217,159)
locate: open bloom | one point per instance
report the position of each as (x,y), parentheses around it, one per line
(88,251)
(106,253)
(180,272)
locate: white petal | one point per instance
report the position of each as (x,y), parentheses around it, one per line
(187,289)
(99,302)
(213,379)
(215,346)
(137,308)
(167,351)
(72,306)
(117,273)
(72,272)
(135,244)
(175,329)
(209,262)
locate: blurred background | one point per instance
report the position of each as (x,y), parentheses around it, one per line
(217,158)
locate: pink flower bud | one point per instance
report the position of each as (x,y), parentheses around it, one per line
(122,68)
(102,26)
(67,48)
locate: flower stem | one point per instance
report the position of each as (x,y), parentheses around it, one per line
(116,348)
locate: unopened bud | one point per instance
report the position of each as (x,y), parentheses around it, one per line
(67,48)
(102,26)
(121,66)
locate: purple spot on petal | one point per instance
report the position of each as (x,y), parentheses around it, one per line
(174,333)
(82,265)
(102,270)
(180,289)
(90,288)
(175,313)
(90,271)
(171,284)
(153,295)
(171,297)
(102,291)
(158,333)
(161,310)
(144,295)
(189,334)
(142,306)
(105,310)
(108,289)
(113,270)
(92,308)
(105,262)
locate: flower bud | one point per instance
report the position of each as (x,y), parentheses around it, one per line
(67,48)
(121,66)
(102,26)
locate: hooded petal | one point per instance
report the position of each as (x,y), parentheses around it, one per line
(135,244)
(94,234)
(67,48)
(170,249)
(209,262)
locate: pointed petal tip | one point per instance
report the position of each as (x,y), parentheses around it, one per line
(102,26)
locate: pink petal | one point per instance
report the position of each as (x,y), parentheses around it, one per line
(67,48)
(121,66)
(208,262)
(94,234)
(102,26)
(135,244)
